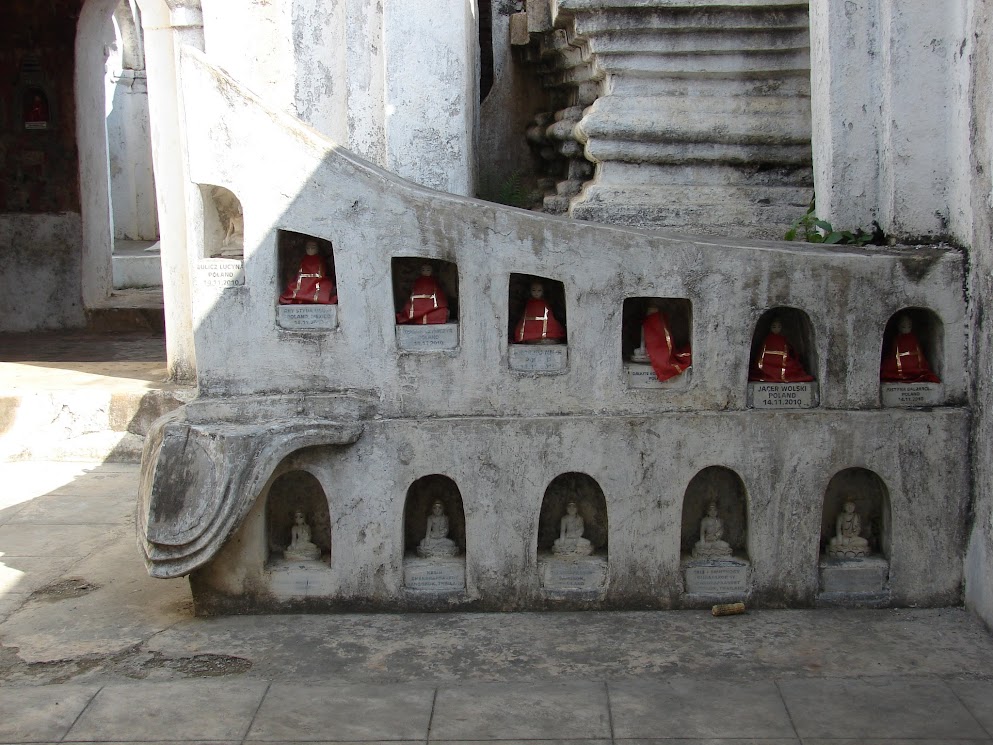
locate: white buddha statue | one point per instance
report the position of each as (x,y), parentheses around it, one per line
(711,544)
(848,542)
(300,548)
(436,541)
(570,540)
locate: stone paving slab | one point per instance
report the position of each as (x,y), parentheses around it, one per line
(698,708)
(878,708)
(186,710)
(77,509)
(505,711)
(23,575)
(977,696)
(41,714)
(58,541)
(304,713)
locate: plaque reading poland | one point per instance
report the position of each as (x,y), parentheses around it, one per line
(717,577)
(307,317)
(910,394)
(434,575)
(534,358)
(643,376)
(782,395)
(222,273)
(581,574)
(432,337)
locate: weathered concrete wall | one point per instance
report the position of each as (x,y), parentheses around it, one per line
(394,82)
(889,84)
(40,285)
(287,177)
(979,560)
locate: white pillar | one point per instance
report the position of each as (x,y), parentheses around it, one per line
(166,29)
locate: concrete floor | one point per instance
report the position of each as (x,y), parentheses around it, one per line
(92,649)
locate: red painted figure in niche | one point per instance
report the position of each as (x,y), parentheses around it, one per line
(427,303)
(538,324)
(777,361)
(313,284)
(666,358)
(904,361)
(35,110)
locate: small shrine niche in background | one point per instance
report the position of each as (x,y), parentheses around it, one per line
(35,109)
(538,336)
(782,359)
(572,537)
(655,341)
(425,296)
(434,536)
(309,293)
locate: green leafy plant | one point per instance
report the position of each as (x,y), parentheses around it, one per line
(511,191)
(813,230)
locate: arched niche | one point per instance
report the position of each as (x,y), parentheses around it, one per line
(519,292)
(306,296)
(290,492)
(872,504)
(797,329)
(591,506)
(421,496)
(223,223)
(724,488)
(930,333)
(406,270)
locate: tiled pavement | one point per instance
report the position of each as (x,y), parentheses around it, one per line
(76,660)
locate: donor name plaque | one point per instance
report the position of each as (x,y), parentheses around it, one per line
(910,394)
(574,575)
(307,317)
(717,577)
(432,337)
(434,575)
(221,273)
(643,376)
(539,358)
(782,395)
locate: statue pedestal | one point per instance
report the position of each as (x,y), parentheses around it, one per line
(432,337)
(868,575)
(728,576)
(307,317)
(567,576)
(289,580)
(641,375)
(782,395)
(909,395)
(438,575)
(540,358)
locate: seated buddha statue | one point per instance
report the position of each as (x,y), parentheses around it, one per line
(570,540)
(657,346)
(538,324)
(711,544)
(776,361)
(313,283)
(300,548)
(904,361)
(427,303)
(436,541)
(848,542)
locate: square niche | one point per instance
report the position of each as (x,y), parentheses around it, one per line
(537,324)
(426,304)
(307,294)
(669,336)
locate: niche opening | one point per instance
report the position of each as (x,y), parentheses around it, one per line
(434,538)
(656,341)
(292,493)
(572,535)
(223,223)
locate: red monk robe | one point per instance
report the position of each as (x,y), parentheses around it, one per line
(313,284)
(538,325)
(667,361)
(905,362)
(777,362)
(427,303)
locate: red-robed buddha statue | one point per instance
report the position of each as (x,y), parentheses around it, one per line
(904,361)
(776,361)
(427,303)
(314,284)
(666,359)
(538,325)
